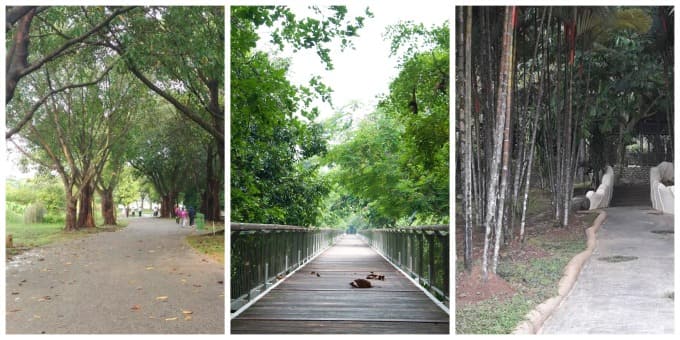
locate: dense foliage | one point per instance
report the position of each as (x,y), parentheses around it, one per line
(85,83)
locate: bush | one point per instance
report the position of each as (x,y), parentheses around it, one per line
(53,218)
(34,213)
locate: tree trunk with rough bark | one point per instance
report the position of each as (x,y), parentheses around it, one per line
(108,207)
(86,207)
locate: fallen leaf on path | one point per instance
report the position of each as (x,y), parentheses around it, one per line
(36,316)
(197,286)
(187,312)
(44,298)
(15,293)
(136,307)
(162,298)
(171,319)
(187,317)
(220,282)
(149,268)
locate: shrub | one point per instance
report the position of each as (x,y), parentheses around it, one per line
(34,213)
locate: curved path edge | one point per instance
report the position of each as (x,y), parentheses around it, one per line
(535,318)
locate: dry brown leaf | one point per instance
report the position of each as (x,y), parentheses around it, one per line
(187,317)
(136,307)
(187,312)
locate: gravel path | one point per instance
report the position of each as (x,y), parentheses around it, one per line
(141,279)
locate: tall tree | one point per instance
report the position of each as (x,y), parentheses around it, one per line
(49,44)
(75,130)
(178,53)
(274,141)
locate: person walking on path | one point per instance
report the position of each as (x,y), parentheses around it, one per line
(192,215)
(184,216)
(177,212)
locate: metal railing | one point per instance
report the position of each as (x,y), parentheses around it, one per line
(421,252)
(262,252)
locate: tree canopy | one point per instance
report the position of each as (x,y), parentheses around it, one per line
(391,168)
(86,83)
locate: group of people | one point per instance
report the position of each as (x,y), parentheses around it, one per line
(184,216)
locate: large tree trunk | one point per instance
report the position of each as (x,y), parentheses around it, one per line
(86,212)
(168,204)
(70,222)
(212,186)
(108,209)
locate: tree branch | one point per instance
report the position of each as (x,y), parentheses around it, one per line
(38,104)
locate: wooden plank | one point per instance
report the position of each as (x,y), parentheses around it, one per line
(326,303)
(337,327)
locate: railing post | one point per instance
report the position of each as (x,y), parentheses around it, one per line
(266,273)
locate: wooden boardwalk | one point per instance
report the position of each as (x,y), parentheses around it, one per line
(309,304)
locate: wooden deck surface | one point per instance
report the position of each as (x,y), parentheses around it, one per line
(307,304)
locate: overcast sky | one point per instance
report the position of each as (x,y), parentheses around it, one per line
(363,73)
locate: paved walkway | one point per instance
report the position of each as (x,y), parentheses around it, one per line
(309,304)
(137,280)
(628,297)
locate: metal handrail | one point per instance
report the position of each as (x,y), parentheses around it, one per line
(261,254)
(422,252)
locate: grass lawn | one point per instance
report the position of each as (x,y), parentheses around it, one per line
(532,272)
(26,236)
(208,244)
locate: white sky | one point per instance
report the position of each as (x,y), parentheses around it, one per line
(363,73)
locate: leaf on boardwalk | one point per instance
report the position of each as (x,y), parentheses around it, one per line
(149,268)
(135,308)
(44,298)
(171,319)
(187,312)
(162,298)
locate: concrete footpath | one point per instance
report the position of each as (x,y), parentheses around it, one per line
(626,287)
(142,279)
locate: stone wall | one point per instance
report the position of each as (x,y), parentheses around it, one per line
(663,197)
(634,174)
(603,195)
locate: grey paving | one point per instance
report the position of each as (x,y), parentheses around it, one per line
(138,280)
(630,297)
